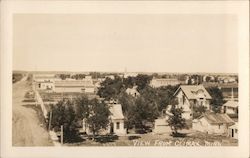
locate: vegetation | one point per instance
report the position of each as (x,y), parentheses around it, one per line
(64,114)
(16,77)
(142,110)
(176,122)
(70,113)
(217,98)
(198,111)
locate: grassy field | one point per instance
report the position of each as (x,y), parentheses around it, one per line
(150,139)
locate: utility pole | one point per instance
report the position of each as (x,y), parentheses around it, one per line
(61,134)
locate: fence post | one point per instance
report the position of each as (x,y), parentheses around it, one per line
(61,134)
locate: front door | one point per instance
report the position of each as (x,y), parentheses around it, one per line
(111,128)
(232,133)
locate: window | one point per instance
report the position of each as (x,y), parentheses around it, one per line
(236,131)
(219,126)
(117,125)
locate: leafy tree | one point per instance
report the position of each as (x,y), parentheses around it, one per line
(129,82)
(64,76)
(176,122)
(144,111)
(98,116)
(189,81)
(142,81)
(64,114)
(165,96)
(110,88)
(198,111)
(94,113)
(217,98)
(128,104)
(95,75)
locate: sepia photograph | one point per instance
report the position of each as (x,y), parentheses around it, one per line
(125,80)
(110,79)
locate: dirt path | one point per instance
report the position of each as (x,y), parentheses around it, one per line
(26,129)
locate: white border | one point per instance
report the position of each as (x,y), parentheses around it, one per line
(8,8)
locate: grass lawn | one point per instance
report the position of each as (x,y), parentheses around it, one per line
(191,139)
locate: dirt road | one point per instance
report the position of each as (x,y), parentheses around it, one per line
(26,129)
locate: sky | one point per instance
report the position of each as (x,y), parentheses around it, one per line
(135,42)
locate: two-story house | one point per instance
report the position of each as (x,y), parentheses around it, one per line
(189,96)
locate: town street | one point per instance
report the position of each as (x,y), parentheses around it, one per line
(26,129)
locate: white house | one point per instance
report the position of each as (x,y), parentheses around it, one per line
(133,91)
(116,125)
(230,107)
(117,120)
(160,82)
(192,95)
(233,131)
(46,85)
(212,123)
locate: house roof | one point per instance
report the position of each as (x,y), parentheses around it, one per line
(194,91)
(214,118)
(231,103)
(116,111)
(132,90)
(74,83)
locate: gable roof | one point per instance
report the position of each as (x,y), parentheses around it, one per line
(116,111)
(231,103)
(193,91)
(214,118)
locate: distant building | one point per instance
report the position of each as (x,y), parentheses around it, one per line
(160,82)
(130,74)
(212,123)
(192,95)
(133,91)
(43,77)
(71,85)
(231,106)
(46,85)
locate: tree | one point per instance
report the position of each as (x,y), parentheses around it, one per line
(110,88)
(165,96)
(145,111)
(217,98)
(98,116)
(142,81)
(64,114)
(176,122)
(128,104)
(94,112)
(198,111)
(129,82)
